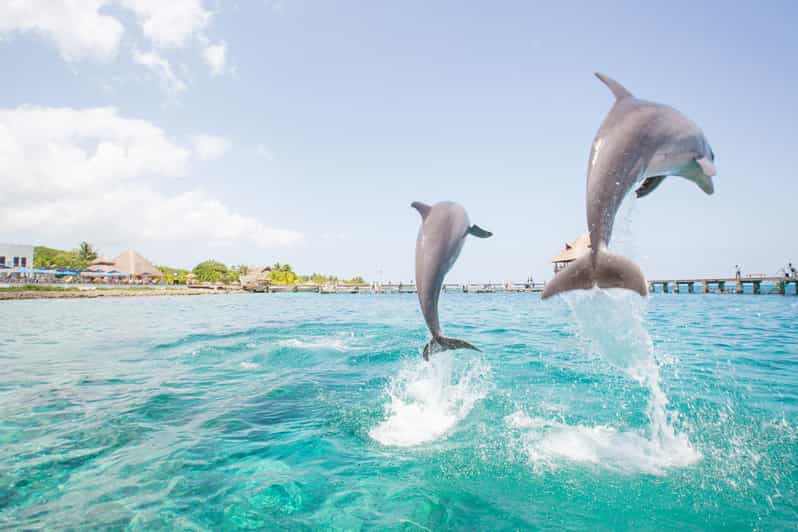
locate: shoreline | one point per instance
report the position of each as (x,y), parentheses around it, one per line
(114,292)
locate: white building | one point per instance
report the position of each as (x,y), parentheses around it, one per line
(16,256)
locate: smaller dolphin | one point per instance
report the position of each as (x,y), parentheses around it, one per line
(444,227)
(638,141)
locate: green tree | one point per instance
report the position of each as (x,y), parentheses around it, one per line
(86,252)
(283,276)
(210,271)
(173,275)
(44,257)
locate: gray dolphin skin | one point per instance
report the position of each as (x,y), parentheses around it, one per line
(444,227)
(638,141)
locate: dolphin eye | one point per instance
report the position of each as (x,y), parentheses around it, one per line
(711,155)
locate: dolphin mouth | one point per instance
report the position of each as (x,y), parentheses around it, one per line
(707,185)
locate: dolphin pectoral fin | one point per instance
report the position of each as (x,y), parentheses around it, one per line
(619,91)
(442,343)
(610,271)
(649,185)
(478,232)
(422,208)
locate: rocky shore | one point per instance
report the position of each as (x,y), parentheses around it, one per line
(114,292)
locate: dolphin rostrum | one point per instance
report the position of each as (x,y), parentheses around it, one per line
(638,140)
(444,227)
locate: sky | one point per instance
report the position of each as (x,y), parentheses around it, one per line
(295,131)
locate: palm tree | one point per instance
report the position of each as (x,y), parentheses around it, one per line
(87,252)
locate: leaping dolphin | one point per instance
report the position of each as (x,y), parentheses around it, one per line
(444,227)
(638,140)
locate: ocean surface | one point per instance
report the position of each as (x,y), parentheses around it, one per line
(601,410)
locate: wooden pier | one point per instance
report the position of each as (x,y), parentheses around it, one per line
(724,285)
(781,285)
(410,288)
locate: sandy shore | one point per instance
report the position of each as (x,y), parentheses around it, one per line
(118,292)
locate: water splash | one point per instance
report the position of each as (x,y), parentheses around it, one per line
(610,323)
(549,442)
(624,240)
(426,400)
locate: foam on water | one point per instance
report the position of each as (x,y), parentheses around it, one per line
(335,343)
(610,324)
(549,442)
(426,400)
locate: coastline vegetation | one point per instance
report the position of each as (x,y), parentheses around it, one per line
(77,259)
(208,271)
(211,271)
(174,275)
(283,274)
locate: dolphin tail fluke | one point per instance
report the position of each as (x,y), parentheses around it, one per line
(442,343)
(610,271)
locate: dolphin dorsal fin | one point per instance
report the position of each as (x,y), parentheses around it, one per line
(422,208)
(619,91)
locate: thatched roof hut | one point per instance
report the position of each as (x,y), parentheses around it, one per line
(135,265)
(102,261)
(572,251)
(256,279)
(102,264)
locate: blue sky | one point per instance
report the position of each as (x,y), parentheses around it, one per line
(255,132)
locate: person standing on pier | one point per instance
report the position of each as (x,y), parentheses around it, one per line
(789,272)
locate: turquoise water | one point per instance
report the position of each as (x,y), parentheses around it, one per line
(292,411)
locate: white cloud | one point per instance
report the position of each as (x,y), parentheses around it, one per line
(134,213)
(92,30)
(216,56)
(169,23)
(209,147)
(91,172)
(265,152)
(77,28)
(275,5)
(170,83)
(51,151)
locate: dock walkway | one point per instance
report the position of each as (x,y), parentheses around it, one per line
(720,284)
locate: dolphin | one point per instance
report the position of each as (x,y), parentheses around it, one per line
(638,141)
(444,227)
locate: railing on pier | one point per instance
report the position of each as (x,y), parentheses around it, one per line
(724,285)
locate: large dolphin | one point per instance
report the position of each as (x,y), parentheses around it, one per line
(444,227)
(638,140)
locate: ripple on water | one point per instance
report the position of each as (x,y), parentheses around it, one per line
(288,411)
